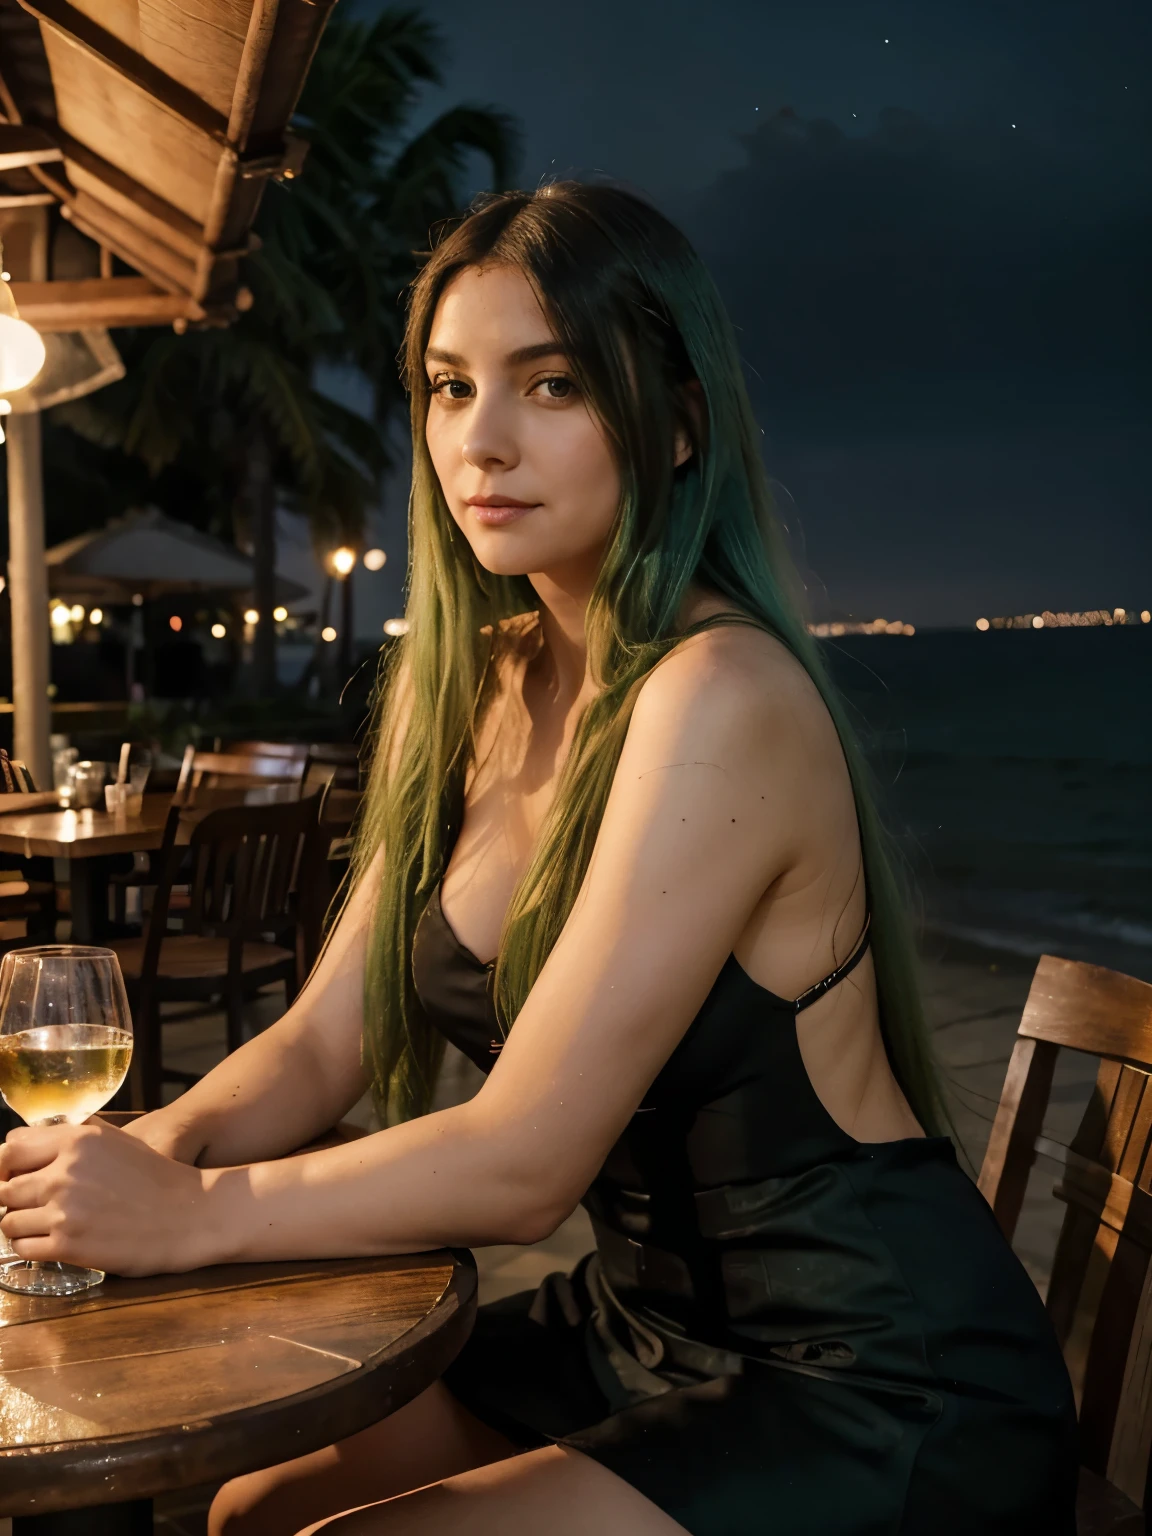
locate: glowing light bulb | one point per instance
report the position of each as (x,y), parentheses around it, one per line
(374,560)
(251,616)
(395,626)
(981,624)
(96,617)
(1037,622)
(176,623)
(21,353)
(76,613)
(328,633)
(280,614)
(218,631)
(60,615)
(343,560)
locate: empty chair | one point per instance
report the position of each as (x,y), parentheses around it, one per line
(1100,1293)
(27,887)
(242,867)
(323,868)
(238,777)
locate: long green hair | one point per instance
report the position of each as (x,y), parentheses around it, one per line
(639,319)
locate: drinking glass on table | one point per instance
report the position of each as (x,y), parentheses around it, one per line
(65,1045)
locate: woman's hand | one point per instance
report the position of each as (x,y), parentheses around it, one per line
(89,1194)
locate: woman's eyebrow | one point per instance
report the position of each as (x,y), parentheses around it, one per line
(520,355)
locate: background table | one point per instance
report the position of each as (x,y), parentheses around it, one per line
(143,1386)
(87,839)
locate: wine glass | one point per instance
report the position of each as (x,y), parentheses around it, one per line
(65,1045)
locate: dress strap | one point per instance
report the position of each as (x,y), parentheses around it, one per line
(814,994)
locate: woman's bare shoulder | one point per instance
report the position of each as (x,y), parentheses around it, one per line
(741,671)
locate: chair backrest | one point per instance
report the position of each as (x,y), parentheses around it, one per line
(322,867)
(336,763)
(241,866)
(14,776)
(293,750)
(1100,1292)
(232,775)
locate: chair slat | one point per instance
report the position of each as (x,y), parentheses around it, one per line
(1019,1118)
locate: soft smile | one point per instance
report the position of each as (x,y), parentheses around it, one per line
(496,511)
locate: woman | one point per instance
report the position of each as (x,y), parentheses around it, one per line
(613,801)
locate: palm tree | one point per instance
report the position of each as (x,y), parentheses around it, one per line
(238,410)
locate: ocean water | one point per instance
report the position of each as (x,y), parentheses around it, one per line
(1016,770)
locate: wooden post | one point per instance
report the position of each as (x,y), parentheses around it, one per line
(28,587)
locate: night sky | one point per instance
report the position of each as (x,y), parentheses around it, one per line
(931,225)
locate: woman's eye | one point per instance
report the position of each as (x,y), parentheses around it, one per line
(557,387)
(449,388)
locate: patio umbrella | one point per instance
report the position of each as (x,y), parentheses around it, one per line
(153,555)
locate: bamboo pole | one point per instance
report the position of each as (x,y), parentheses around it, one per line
(28,588)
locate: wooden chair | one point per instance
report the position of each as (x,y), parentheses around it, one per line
(213,777)
(242,864)
(326,762)
(322,869)
(1100,1293)
(211,780)
(27,887)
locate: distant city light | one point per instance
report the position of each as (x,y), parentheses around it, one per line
(176,623)
(343,560)
(251,616)
(96,617)
(867,627)
(374,559)
(218,631)
(395,626)
(280,614)
(1092,618)
(328,633)
(1145,615)
(77,613)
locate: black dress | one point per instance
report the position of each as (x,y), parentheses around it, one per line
(782,1330)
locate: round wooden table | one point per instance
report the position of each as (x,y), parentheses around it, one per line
(140,1387)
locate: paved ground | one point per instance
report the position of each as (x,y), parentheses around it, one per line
(974,1004)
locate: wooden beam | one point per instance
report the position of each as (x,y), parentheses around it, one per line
(100,301)
(20,146)
(108,50)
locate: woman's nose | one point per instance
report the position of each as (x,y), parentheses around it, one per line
(489,442)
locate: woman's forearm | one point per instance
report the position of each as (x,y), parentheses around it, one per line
(274,1094)
(443,1179)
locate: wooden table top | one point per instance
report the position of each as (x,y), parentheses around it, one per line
(57,834)
(142,1386)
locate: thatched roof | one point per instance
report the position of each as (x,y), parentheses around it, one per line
(153,125)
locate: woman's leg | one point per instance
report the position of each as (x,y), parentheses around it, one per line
(433,1437)
(553,1490)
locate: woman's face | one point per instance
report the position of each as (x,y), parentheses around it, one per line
(525,466)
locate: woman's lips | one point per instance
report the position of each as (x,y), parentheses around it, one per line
(500,513)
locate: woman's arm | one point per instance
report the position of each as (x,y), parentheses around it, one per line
(289,1083)
(722,772)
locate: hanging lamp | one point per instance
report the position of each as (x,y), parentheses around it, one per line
(22,350)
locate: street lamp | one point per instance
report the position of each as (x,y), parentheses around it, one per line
(343,561)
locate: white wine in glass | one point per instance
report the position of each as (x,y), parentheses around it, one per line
(65,1046)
